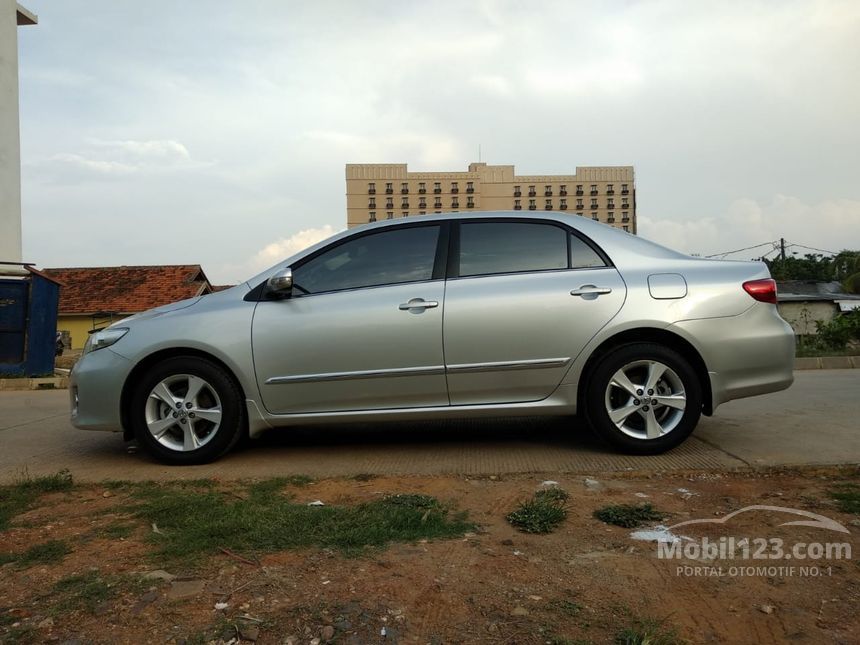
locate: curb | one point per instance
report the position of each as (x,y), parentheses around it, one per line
(827,363)
(49,383)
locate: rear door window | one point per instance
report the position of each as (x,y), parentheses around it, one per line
(488,248)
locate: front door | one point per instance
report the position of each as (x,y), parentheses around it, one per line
(362,330)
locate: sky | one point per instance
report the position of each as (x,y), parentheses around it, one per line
(217,132)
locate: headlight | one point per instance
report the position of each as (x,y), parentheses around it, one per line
(104,338)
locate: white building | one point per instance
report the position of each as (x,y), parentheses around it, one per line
(11,16)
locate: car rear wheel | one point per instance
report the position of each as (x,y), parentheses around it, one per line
(644,398)
(187,410)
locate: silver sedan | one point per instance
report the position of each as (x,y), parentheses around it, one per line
(458,315)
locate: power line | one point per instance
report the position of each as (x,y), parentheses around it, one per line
(749,248)
(812,248)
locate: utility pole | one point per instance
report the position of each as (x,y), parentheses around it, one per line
(782,248)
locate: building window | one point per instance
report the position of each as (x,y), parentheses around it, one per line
(470,187)
(547,191)
(532,204)
(548,205)
(371,188)
(579,189)
(579,203)
(422,212)
(624,203)
(624,190)
(455,203)
(438,203)
(625,216)
(609,190)
(454,188)
(404,203)
(562,190)
(404,188)
(518,206)
(389,202)
(389,188)
(422,202)
(517,191)
(563,205)
(593,189)
(422,187)
(470,202)
(610,204)
(532,192)
(610,217)
(593,203)
(390,214)
(405,213)
(626,228)
(437,187)
(371,203)
(594,216)
(438,212)
(372,216)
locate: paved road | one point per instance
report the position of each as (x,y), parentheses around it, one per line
(817,421)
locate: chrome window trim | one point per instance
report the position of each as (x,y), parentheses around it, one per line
(432,370)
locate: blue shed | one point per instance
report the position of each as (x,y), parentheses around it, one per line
(28,321)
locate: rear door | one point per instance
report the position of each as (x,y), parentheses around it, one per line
(522,300)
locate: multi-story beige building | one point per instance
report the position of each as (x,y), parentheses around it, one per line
(389,191)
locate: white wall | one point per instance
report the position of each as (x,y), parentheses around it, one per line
(10,150)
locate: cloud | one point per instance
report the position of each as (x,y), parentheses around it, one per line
(831,225)
(273,253)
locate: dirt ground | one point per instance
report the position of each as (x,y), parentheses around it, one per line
(581,583)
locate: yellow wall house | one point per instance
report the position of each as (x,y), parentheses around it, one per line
(93,297)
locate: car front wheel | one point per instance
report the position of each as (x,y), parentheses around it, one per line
(187,410)
(644,398)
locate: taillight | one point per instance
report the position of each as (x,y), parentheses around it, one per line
(762,290)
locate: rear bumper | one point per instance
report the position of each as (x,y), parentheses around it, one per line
(746,355)
(95,390)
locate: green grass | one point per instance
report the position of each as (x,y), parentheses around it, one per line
(81,592)
(197,522)
(49,552)
(543,513)
(117,531)
(814,351)
(847,497)
(628,516)
(648,631)
(19,497)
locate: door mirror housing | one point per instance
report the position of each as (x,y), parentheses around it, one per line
(281,283)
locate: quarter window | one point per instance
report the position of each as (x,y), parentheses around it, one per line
(387,257)
(510,247)
(583,256)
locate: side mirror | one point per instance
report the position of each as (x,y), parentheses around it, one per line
(282,282)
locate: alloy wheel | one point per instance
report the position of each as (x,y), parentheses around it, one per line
(183,412)
(645,399)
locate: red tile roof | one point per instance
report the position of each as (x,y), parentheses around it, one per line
(127,290)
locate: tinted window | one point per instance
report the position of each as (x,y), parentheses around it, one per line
(507,247)
(583,256)
(388,257)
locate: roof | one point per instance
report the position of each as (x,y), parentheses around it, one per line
(811,291)
(127,289)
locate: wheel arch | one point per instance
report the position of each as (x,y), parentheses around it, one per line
(649,335)
(147,362)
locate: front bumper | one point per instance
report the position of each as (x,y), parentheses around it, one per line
(95,390)
(746,355)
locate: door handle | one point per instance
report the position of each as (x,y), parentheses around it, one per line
(418,303)
(590,292)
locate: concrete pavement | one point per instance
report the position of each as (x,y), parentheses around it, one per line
(816,422)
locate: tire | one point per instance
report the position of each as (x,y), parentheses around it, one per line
(189,430)
(621,411)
